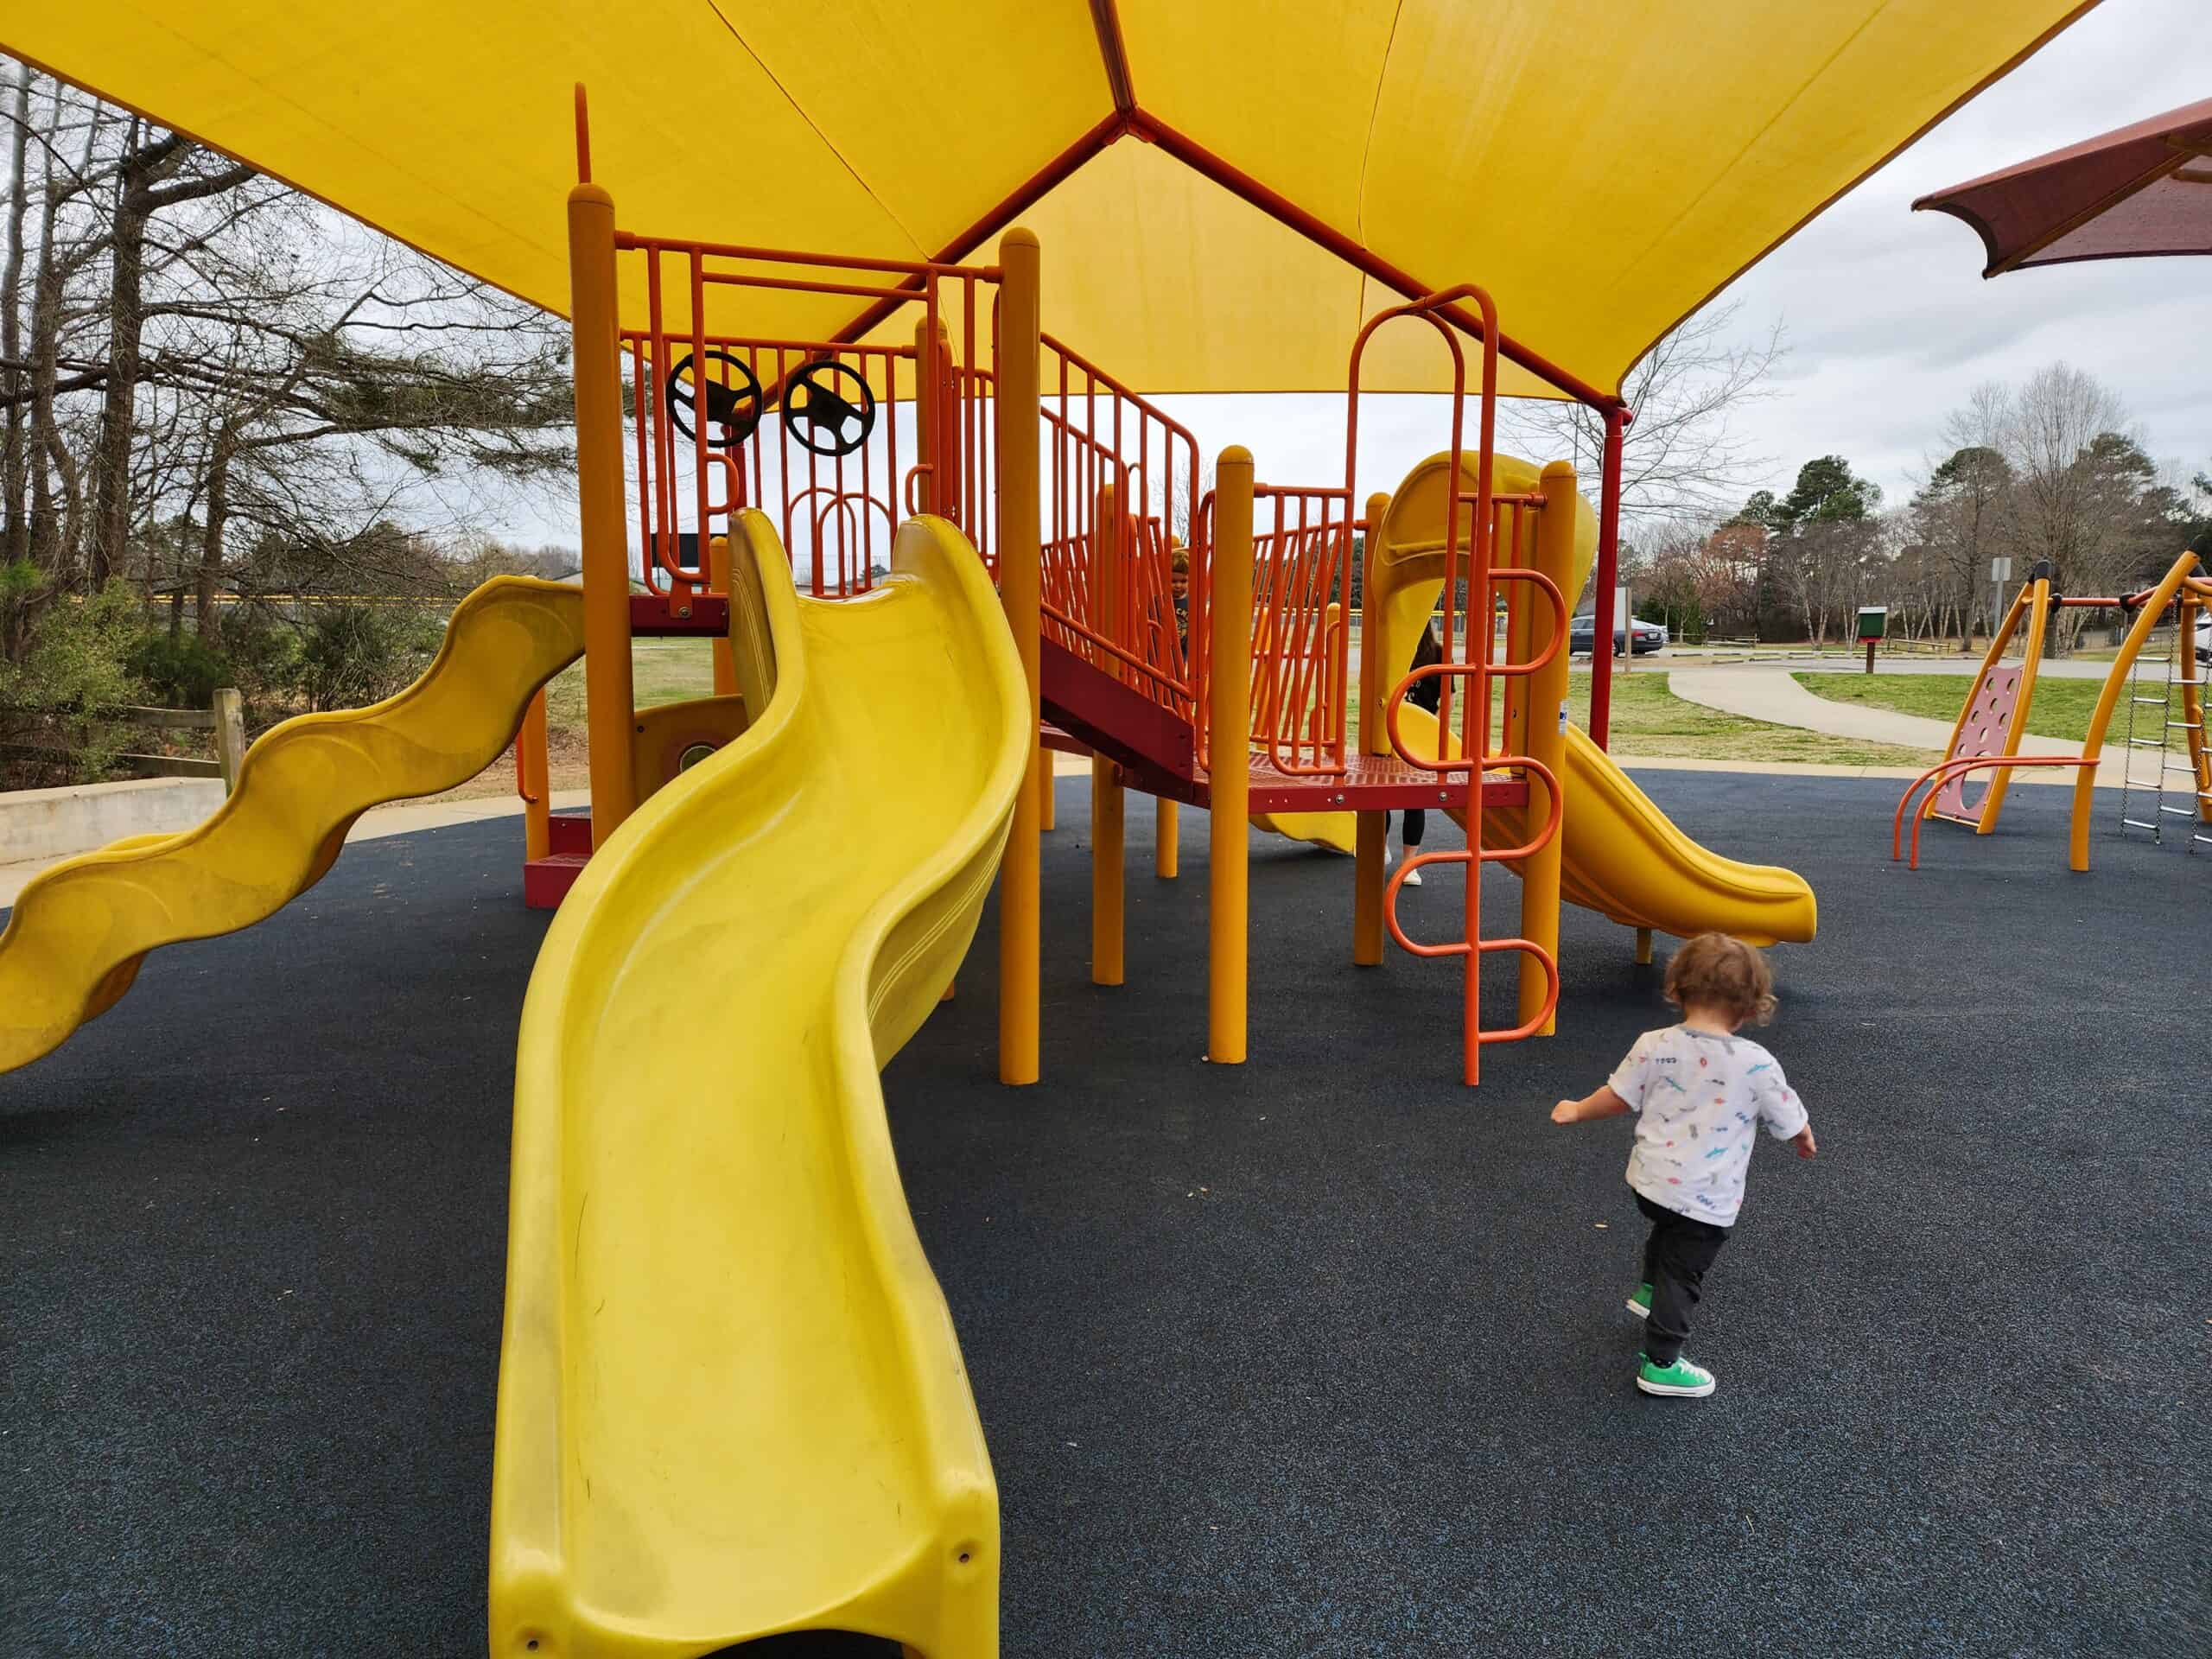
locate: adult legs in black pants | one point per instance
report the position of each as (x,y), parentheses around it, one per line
(1675,1258)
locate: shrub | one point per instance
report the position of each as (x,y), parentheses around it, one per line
(180,671)
(350,655)
(75,663)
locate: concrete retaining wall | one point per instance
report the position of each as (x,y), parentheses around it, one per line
(55,822)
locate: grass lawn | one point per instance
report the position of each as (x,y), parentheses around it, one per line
(2061,712)
(1650,720)
(662,670)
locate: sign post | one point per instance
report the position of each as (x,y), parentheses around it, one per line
(2001,572)
(1873,626)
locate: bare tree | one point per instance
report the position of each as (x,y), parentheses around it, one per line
(1686,452)
(198,364)
(1962,516)
(2082,478)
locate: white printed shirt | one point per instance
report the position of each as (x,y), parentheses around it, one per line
(1699,1099)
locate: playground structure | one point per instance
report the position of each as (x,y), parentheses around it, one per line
(1993,720)
(1001,583)
(731,1402)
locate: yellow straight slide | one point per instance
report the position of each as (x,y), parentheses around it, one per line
(731,1403)
(1623,856)
(80,931)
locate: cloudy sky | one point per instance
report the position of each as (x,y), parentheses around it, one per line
(1889,321)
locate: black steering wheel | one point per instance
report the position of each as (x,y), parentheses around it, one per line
(734,407)
(825,420)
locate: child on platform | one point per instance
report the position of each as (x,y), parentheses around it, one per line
(1700,1092)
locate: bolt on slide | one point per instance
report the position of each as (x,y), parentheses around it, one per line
(78,931)
(731,1403)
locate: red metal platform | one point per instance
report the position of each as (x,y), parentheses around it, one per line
(546,881)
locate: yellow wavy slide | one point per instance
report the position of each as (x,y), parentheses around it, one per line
(78,931)
(1623,857)
(731,1403)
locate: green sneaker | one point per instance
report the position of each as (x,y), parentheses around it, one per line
(1681,1379)
(1639,1301)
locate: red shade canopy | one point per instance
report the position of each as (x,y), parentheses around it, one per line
(2144,189)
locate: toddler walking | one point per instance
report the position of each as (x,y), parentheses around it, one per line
(1699,1092)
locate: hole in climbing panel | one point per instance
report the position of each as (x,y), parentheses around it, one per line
(693,755)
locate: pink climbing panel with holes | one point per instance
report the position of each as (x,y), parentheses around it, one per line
(1989,714)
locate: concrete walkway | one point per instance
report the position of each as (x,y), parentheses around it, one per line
(1770,695)
(400,818)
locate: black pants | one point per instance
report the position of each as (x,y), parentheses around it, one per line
(1675,1258)
(1416,825)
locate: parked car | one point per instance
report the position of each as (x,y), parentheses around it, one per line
(2205,640)
(1582,637)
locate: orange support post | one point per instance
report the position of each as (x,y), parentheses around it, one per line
(1018,419)
(1542,722)
(718,576)
(1229,722)
(1108,804)
(608,693)
(1371,842)
(533,780)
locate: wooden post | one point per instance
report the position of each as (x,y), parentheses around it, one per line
(229,735)
(1107,805)
(609,696)
(1229,749)
(1018,417)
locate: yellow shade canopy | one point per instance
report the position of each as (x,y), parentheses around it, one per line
(1227,189)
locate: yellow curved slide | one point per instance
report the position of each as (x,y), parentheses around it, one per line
(1623,856)
(731,1403)
(78,931)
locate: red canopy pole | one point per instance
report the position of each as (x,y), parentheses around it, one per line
(1608,580)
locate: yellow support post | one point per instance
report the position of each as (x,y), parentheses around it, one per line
(1643,947)
(1543,722)
(533,780)
(2085,777)
(2195,601)
(1229,747)
(1108,806)
(2023,696)
(1048,805)
(1166,827)
(718,575)
(1017,420)
(1371,870)
(610,700)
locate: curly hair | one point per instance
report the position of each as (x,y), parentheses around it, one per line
(1714,971)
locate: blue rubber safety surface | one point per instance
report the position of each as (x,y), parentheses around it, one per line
(1321,1355)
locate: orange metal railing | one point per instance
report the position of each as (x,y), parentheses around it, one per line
(722,422)
(1107,445)
(1302,568)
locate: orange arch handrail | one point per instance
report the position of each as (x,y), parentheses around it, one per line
(1941,773)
